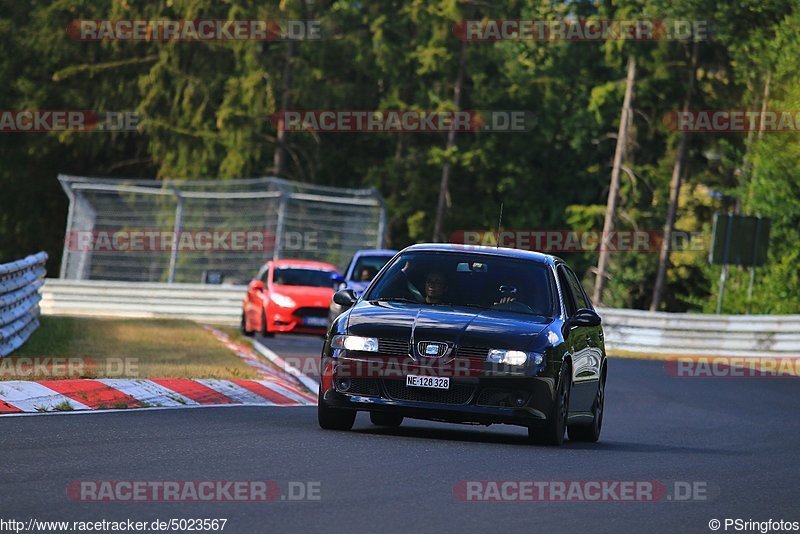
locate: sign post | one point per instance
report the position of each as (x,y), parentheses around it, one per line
(738,240)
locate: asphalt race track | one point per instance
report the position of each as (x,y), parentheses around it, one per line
(737,437)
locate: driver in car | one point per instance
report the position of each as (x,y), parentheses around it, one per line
(367,274)
(435,287)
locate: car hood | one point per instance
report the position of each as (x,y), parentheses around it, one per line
(459,326)
(306,295)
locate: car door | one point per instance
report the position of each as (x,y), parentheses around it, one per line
(591,356)
(576,335)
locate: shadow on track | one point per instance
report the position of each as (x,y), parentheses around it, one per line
(467,436)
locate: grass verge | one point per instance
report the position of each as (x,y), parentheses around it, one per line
(84,347)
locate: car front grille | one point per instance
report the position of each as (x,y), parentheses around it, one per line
(364,386)
(311,312)
(457,394)
(473,352)
(394,347)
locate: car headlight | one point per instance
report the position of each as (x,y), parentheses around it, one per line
(514,357)
(282,300)
(357,343)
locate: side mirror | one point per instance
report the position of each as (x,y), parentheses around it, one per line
(582,317)
(337,280)
(257,285)
(585,317)
(345,297)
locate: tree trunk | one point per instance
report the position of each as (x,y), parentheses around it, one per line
(613,190)
(674,193)
(751,175)
(279,157)
(451,141)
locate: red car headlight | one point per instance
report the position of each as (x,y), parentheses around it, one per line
(282,300)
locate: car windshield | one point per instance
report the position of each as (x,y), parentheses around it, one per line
(296,276)
(368,266)
(468,280)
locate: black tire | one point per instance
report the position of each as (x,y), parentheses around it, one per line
(332,418)
(591,433)
(553,432)
(264,332)
(385,419)
(243,326)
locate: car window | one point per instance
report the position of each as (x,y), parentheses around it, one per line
(294,276)
(367,267)
(566,289)
(470,280)
(577,291)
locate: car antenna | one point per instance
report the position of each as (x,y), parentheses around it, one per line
(499,226)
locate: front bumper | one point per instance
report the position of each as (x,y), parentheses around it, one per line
(295,319)
(469,400)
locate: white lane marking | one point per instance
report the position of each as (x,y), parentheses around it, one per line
(234,391)
(285,392)
(148,391)
(34,397)
(246,354)
(311,384)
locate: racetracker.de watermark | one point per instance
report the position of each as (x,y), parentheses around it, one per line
(561,241)
(150,241)
(388,367)
(583,491)
(66,367)
(589,30)
(733,367)
(124,491)
(194,30)
(410,121)
(67,120)
(733,120)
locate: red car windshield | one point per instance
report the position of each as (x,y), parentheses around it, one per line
(296,276)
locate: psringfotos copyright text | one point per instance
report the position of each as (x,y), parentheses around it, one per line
(750,525)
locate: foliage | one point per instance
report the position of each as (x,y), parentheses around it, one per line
(207,108)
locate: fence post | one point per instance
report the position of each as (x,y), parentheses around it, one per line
(68,238)
(173,259)
(280,226)
(381,223)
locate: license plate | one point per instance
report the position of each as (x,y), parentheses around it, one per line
(435,382)
(315,321)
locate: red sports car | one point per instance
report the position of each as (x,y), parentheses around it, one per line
(289,296)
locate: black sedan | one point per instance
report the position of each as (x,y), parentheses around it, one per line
(468,334)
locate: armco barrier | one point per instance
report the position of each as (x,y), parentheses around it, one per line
(629,331)
(199,302)
(19,300)
(637,331)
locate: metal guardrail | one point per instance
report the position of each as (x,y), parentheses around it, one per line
(637,331)
(631,331)
(19,300)
(213,304)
